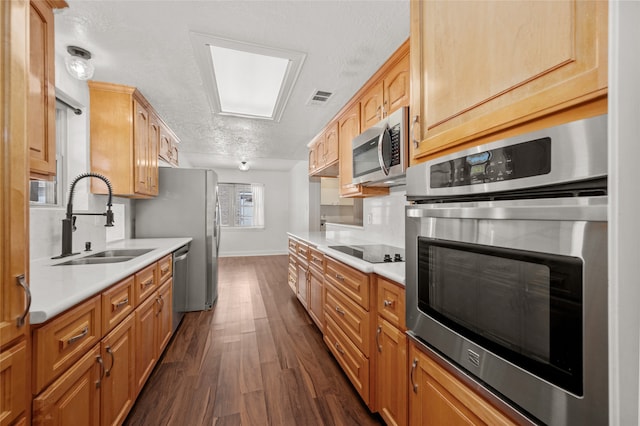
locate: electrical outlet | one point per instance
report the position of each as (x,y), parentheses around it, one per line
(369,219)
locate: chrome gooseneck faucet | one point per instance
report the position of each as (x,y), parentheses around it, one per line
(69,222)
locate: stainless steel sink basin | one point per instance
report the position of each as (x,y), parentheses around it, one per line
(95,260)
(120,252)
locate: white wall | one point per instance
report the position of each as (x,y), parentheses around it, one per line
(624,200)
(303,207)
(273,238)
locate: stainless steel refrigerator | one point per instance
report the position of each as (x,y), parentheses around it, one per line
(187,206)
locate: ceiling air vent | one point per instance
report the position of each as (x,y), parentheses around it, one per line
(319,97)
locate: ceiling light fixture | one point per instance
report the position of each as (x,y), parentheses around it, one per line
(243,166)
(78,64)
(245,79)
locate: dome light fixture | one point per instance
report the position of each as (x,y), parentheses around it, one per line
(78,64)
(243,166)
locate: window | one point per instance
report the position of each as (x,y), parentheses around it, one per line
(51,193)
(241,205)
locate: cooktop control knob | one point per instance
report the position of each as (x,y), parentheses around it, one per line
(387,258)
(397,257)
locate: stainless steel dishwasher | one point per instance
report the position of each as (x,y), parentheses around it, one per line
(180,280)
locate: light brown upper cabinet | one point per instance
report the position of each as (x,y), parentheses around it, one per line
(484,69)
(323,152)
(41,130)
(168,146)
(125,138)
(387,95)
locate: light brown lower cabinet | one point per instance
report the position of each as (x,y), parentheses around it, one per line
(145,341)
(316,297)
(74,398)
(437,398)
(391,373)
(118,385)
(85,376)
(13,370)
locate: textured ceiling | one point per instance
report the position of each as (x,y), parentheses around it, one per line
(147,44)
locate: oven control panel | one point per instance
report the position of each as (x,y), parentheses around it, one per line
(526,159)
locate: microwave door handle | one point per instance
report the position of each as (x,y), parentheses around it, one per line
(383,166)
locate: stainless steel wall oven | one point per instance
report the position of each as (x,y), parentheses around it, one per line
(506,251)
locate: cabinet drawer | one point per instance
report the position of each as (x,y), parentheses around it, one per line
(316,259)
(165,268)
(391,302)
(293,246)
(146,282)
(352,361)
(349,316)
(352,282)
(117,303)
(293,278)
(303,254)
(61,342)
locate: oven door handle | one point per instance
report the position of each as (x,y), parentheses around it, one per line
(596,213)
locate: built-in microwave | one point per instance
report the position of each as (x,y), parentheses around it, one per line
(380,152)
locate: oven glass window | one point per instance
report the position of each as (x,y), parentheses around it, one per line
(523,306)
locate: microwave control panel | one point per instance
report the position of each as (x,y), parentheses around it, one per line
(394,133)
(526,159)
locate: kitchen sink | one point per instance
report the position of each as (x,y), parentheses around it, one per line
(131,253)
(95,260)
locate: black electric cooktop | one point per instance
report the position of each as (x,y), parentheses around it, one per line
(373,253)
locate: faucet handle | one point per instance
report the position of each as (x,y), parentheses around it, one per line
(73,223)
(109,215)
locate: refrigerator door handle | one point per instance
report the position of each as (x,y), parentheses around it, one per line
(218,212)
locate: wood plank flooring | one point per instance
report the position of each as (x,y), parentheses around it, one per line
(255,359)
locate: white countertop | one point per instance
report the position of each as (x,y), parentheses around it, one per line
(322,241)
(55,289)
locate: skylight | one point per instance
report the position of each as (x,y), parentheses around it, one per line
(246,79)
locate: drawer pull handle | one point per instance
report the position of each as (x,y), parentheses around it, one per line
(414,364)
(339,349)
(316,259)
(164,270)
(20,321)
(159,301)
(340,310)
(388,303)
(120,304)
(378,331)
(147,283)
(113,361)
(339,277)
(99,382)
(82,334)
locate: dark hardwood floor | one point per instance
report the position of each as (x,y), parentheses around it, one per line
(255,359)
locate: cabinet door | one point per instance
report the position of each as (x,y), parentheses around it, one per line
(164,315)
(146,346)
(331,144)
(372,106)
(141,148)
(119,385)
(396,86)
(313,158)
(542,58)
(73,399)
(391,373)
(153,151)
(303,285)
(42,96)
(13,379)
(438,398)
(14,229)
(349,128)
(316,298)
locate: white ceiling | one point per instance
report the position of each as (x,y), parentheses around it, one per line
(147,44)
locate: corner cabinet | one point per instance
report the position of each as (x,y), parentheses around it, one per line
(481,68)
(125,138)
